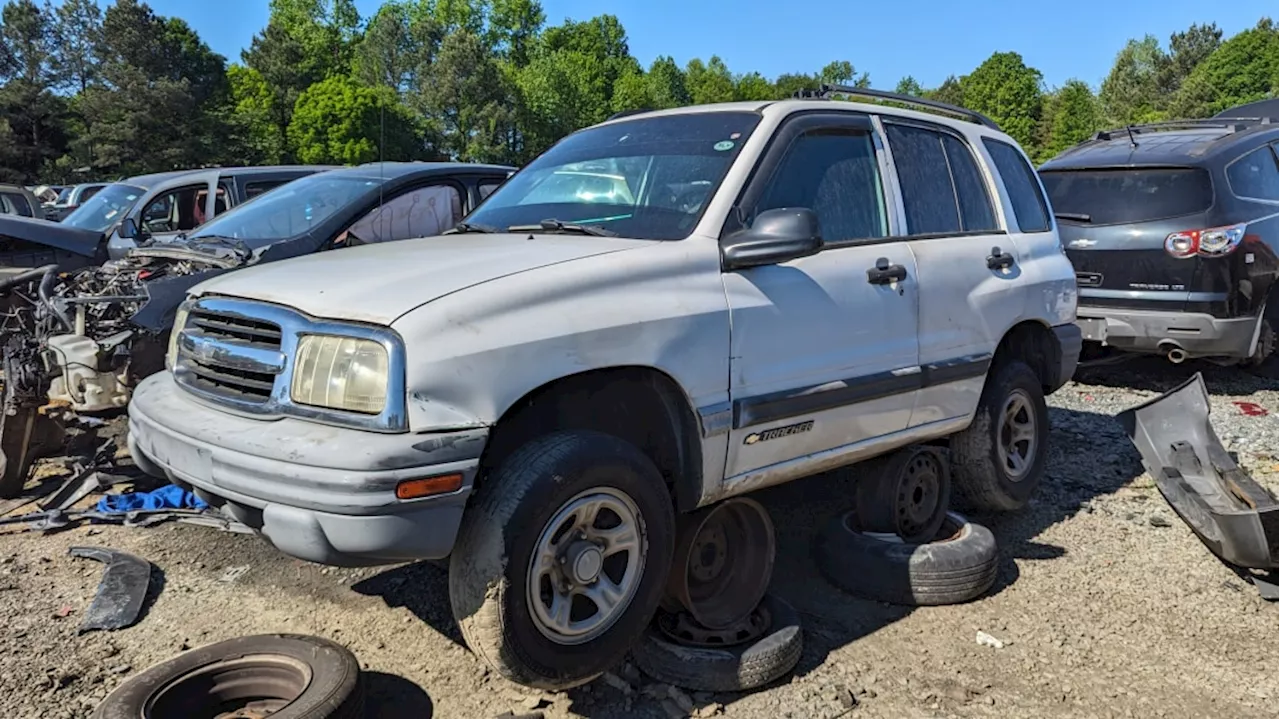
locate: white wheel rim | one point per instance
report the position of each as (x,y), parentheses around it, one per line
(586,566)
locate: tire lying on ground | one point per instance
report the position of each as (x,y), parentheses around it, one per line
(958,567)
(730,668)
(285,675)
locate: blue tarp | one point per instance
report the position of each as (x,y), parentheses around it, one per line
(170,497)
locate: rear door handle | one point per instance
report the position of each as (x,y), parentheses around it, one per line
(884,273)
(998,260)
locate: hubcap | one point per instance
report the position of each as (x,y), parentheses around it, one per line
(1017,435)
(586,566)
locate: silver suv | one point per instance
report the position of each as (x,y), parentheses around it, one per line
(660,312)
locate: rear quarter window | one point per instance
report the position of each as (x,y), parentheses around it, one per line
(1029,206)
(1254,176)
(1109,197)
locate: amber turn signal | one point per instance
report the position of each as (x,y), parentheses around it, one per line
(427,486)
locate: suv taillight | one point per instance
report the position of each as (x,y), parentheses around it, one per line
(1213,242)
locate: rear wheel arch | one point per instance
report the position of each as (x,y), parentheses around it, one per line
(1032,342)
(639,404)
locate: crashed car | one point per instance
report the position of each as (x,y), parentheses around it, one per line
(78,341)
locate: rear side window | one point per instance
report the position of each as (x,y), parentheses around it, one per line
(1254,176)
(1020,182)
(89,192)
(1108,197)
(942,190)
(18,203)
(488,186)
(422,212)
(253,189)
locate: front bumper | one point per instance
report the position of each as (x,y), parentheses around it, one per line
(1200,335)
(321,493)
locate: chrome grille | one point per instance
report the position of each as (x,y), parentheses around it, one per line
(231,356)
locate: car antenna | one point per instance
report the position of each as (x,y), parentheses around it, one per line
(1129,129)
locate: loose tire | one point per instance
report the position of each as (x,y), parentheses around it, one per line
(997,462)
(505,602)
(730,668)
(284,675)
(959,566)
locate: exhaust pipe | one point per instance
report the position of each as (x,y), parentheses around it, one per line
(1177,355)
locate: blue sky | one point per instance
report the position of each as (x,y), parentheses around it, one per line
(928,39)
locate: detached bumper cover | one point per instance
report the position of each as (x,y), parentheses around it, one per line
(320,493)
(1200,335)
(1231,513)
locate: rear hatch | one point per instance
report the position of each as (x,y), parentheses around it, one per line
(1113,223)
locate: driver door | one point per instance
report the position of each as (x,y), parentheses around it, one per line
(824,355)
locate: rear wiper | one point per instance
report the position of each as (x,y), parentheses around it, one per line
(1077,216)
(462,227)
(558,226)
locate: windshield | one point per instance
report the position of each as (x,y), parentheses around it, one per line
(105,208)
(289,210)
(1106,197)
(648,178)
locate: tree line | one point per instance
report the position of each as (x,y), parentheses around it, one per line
(92,94)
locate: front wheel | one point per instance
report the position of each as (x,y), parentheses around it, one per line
(562,560)
(999,460)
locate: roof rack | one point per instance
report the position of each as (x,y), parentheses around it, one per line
(824,92)
(1231,124)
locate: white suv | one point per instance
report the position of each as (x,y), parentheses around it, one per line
(660,312)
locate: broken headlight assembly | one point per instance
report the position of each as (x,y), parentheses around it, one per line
(179,322)
(342,373)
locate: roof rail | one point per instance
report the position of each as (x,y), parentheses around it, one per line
(1231,124)
(825,91)
(627,113)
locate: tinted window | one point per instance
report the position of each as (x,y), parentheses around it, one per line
(927,192)
(1255,176)
(105,208)
(834,173)
(1104,197)
(1020,183)
(18,203)
(487,188)
(290,210)
(176,210)
(972,197)
(253,189)
(646,178)
(89,192)
(423,212)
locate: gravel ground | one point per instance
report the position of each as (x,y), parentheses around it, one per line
(1106,603)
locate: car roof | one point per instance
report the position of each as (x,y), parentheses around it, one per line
(155,178)
(393,170)
(1193,145)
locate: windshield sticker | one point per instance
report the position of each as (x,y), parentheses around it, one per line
(724,145)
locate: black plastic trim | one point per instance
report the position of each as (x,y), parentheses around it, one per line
(825,91)
(774,406)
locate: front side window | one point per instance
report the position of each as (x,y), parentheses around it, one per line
(18,203)
(835,174)
(176,210)
(647,178)
(290,210)
(1254,176)
(487,187)
(422,212)
(105,208)
(1029,206)
(253,189)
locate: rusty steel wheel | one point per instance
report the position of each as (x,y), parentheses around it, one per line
(906,494)
(275,675)
(723,562)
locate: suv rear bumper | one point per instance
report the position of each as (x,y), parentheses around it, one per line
(1199,335)
(320,493)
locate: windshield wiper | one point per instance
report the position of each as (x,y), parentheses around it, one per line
(558,226)
(1077,216)
(462,227)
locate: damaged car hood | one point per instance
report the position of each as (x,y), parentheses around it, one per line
(378,283)
(75,240)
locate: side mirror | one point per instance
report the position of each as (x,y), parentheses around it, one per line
(777,235)
(128,228)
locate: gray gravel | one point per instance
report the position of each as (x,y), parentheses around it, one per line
(1105,605)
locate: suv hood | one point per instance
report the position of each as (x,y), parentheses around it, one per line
(75,240)
(379,283)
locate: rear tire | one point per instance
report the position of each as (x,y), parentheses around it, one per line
(997,462)
(527,542)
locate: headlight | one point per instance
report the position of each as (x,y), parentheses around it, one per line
(340,373)
(179,321)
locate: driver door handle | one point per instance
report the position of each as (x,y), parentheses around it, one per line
(884,273)
(998,260)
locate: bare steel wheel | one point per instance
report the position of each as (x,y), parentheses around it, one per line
(587,566)
(906,493)
(1017,434)
(723,562)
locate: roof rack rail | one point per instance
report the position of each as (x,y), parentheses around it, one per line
(627,113)
(1232,124)
(825,91)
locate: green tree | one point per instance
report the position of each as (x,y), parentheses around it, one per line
(1132,92)
(753,86)
(1072,116)
(35,116)
(1004,89)
(709,83)
(467,101)
(1186,50)
(397,44)
(909,86)
(1243,69)
(76,35)
(788,84)
(667,83)
(950,92)
(338,121)
(632,92)
(514,26)
(841,72)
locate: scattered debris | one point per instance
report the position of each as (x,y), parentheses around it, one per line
(1159,520)
(1251,409)
(233,573)
(987,640)
(121,592)
(63,612)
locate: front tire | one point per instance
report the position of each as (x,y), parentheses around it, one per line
(997,462)
(562,559)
